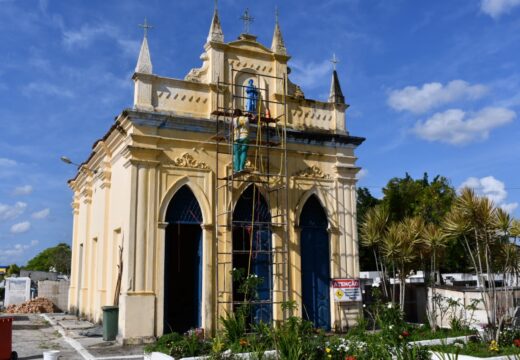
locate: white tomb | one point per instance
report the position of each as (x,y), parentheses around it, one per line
(17,290)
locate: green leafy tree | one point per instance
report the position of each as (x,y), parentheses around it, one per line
(12,269)
(54,258)
(406,197)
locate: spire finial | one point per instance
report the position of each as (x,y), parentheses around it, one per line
(278,45)
(334,60)
(145,27)
(247,19)
(144,62)
(215,29)
(335,95)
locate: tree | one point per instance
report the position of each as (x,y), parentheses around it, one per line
(406,197)
(12,269)
(435,241)
(486,232)
(373,232)
(365,202)
(55,258)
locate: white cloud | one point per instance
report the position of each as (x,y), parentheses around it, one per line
(23,190)
(88,33)
(12,211)
(45,88)
(20,227)
(431,95)
(495,8)
(362,173)
(454,126)
(42,214)
(493,189)
(309,75)
(7,162)
(16,250)
(85,35)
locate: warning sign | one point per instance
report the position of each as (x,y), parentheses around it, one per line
(346,290)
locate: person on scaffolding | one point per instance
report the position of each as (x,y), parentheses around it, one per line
(241,140)
(241,127)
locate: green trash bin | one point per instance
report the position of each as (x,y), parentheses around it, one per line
(110,322)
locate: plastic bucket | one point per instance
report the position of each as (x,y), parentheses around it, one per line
(51,355)
(110,322)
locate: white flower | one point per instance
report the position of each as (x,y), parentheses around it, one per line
(364,305)
(376,284)
(391,327)
(389,305)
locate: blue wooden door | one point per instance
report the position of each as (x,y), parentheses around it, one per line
(315,260)
(183,263)
(252,249)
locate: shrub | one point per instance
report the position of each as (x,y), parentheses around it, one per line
(177,345)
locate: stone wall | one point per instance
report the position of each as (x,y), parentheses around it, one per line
(56,291)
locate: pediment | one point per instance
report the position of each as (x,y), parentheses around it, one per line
(250,45)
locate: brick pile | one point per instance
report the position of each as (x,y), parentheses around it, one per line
(34,306)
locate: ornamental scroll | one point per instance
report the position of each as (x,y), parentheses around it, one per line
(188,161)
(312,172)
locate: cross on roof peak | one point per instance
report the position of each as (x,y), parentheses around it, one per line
(247,19)
(145,27)
(334,60)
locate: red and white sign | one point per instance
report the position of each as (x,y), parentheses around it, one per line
(346,290)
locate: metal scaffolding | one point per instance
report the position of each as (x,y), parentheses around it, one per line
(266,169)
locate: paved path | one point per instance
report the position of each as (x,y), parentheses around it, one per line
(33,334)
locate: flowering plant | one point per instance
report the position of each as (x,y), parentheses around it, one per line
(493,346)
(516,342)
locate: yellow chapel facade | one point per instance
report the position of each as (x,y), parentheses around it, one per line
(159,199)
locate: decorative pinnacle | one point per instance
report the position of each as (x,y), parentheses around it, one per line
(276,14)
(334,60)
(247,19)
(145,27)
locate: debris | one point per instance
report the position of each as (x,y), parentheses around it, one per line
(34,306)
(95,332)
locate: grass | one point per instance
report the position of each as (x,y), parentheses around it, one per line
(49,345)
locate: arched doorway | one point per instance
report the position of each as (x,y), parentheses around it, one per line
(315,264)
(252,251)
(183,263)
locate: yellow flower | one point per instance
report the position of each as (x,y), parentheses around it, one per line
(327,350)
(493,346)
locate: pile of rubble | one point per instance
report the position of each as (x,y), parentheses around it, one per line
(37,305)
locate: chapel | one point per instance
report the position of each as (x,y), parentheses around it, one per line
(231,174)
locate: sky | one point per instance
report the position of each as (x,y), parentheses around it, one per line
(434,86)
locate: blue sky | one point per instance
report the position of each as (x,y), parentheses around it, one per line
(434,86)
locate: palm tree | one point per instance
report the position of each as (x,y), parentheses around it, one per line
(390,248)
(410,244)
(373,231)
(400,247)
(474,219)
(435,240)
